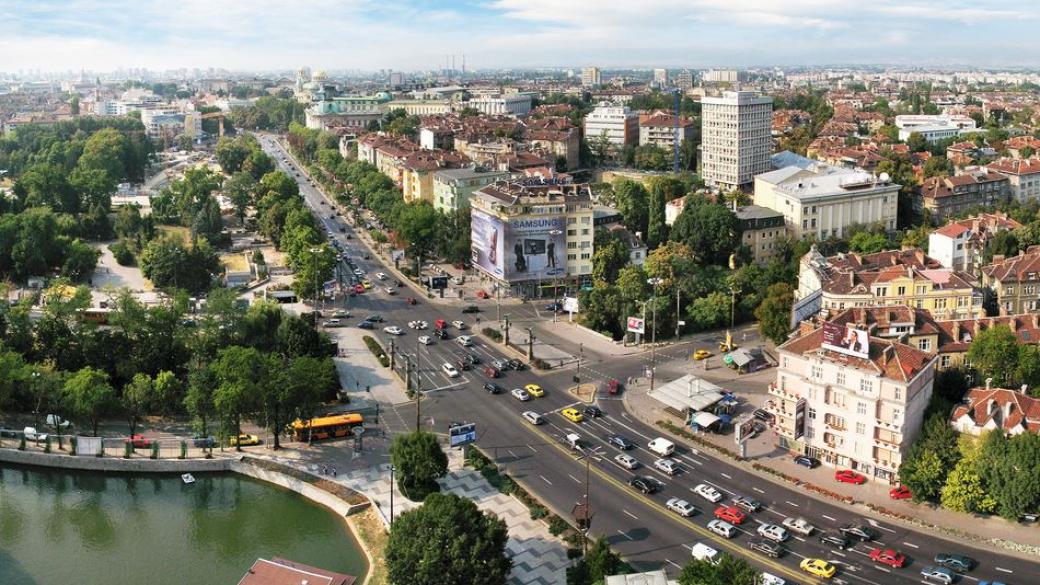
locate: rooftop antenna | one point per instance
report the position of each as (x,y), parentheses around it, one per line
(463,64)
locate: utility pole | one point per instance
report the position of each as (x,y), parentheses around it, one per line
(418,388)
(653,336)
(391,495)
(506,329)
(677,313)
(530,344)
(314,254)
(581,354)
(391,354)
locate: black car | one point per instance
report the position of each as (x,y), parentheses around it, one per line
(763,415)
(375,318)
(365,325)
(555,307)
(492,388)
(516,364)
(473,359)
(441,334)
(592,411)
(398,283)
(643,484)
(810,462)
(766,547)
(620,442)
(471,309)
(859,531)
(959,563)
(835,540)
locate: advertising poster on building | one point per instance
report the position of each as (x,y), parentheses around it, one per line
(799,419)
(487,235)
(842,339)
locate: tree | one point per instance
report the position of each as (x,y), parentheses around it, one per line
(925,466)
(418,226)
(240,373)
(596,566)
(137,399)
(774,314)
(729,570)
(447,540)
(169,264)
(938,166)
(710,230)
(610,257)
(14,375)
(419,461)
(239,189)
(868,242)
(232,153)
(89,396)
(106,150)
(964,490)
(632,202)
(710,312)
(198,400)
(994,353)
(80,261)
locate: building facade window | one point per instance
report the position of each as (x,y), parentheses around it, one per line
(861,408)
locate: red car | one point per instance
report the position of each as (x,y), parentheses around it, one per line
(888,557)
(411,301)
(139,441)
(482,294)
(359,289)
(900,493)
(849,476)
(730,514)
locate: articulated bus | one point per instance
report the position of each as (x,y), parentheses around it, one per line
(327,427)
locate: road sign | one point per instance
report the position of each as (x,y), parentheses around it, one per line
(636,325)
(462,434)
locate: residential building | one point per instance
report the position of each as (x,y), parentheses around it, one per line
(823,200)
(945,197)
(418,168)
(658,129)
(858,410)
(761,229)
(736,140)
(814,268)
(283,572)
(557,136)
(618,124)
(1023,177)
(1015,281)
(1022,146)
(673,209)
(512,104)
(1011,412)
(721,76)
(452,188)
(934,128)
(637,249)
(590,76)
(961,244)
(353,112)
(532,237)
(684,80)
(661,77)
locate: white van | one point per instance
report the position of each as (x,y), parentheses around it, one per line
(662,446)
(450,370)
(573,440)
(703,552)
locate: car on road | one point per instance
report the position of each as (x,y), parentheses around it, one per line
(747,504)
(516,364)
(592,411)
(703,552)
(730,514)
(332,323)
(798,526)
(681,507)
(772,532)
(627,461)
(390,290)
(643,484)
(818,568)
(620,442)
(365,325)
(340,314)
(849,476)
(500,364)
(470,309)
(411,301)
(938,574)
(722,528)
(667,465)
(767,547)
(806,461)
(959,563)
(661,446)
(535,390)
(460,325)
(441,334)
(449,370)
(492,388)
(393,330)
(863,533)
(763,415)
(381,275)
(520,394)
(418,325)
(425,340)
(358,289)
(492,372)
(366,283)
(572,414)
(377,318)
(900,493)
(244,440)
(888,556)
(464,340)
(532,417)
(835,540)
(708,493)
(701,354)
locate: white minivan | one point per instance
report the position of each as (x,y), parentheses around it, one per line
(450,370)
(703,552)
(662,446)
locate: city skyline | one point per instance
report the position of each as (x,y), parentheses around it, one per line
(61,35)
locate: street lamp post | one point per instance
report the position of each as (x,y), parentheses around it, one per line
(653,332)
(392,495)
(314,254)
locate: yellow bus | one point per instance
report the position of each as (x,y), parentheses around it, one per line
(327,427)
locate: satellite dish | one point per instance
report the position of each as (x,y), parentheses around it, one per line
(884,178)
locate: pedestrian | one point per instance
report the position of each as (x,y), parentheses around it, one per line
(333,472)
(368,389)
(324,470)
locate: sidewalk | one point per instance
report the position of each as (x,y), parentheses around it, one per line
(988,530)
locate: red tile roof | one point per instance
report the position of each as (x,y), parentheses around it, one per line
(283,572)
(891,359)
(1022,268)
(1007,409)
(1025,166)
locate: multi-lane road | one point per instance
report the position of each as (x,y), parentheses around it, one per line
(637,525)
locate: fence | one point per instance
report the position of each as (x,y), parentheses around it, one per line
(145,448)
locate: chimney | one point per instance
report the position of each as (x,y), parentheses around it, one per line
(1013,324)
(1036,320)
(988,382)
(1024,388)
(997,258)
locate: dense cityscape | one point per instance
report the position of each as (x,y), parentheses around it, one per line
(471,321)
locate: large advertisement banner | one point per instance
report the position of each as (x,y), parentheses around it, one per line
(528,248)
(846,340)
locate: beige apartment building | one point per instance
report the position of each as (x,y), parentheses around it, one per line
(736,138)
(1015,281)
(851,410)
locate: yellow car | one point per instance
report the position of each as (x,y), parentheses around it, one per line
(701,354)
(245,440)
(818,567)
(366,284)
(535,390)
(572,414)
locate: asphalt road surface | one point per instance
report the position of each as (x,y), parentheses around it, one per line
(638,526)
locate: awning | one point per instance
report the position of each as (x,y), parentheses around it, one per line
(705,419)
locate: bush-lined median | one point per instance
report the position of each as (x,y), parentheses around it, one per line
(377,350)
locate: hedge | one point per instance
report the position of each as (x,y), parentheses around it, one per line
(493,334)
(377,350)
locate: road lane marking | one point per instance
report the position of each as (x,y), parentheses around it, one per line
(673,564)
(1003,570)
(630,514)
(840,554)
(790,503)
(545,480)
(758,490)
(625,534)
(532,449)
(887,570)
(828,517)
(511,454)
(911,545)
(726,475)
(574,478)
(876,524)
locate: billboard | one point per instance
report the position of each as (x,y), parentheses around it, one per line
(522,248)
(570,304)
(846,340)
(799,419)
(636,325)
(462,434)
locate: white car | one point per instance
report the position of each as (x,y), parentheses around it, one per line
(520,394)
(54,420)
(381,275)
(772,532)
(532,417)
(449,370)
(798,525)
(464,340)
(627,461)
(418,324)
(459,324)
(723,529)
(391,290)
(681,507)
(708,493)
(394,330)
(425,340)
(771,579)
(359,272)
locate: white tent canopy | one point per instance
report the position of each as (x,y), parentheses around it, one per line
(705,419)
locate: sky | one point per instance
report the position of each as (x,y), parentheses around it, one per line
(412,35)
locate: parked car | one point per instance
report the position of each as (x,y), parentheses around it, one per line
(806,461)
(627,461)
(767,547)
(55,421)
(849,476)
(643,484)
(32,435)
(939,574)
(203,442)
(681,507)
(365,325)
(492,388)
(900,493)
(888,556)
(959,563)
(763,415)
(139,441)
(244,440)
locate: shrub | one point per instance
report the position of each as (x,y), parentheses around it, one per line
(377,350)
(493,334)
(184,449)
(557,525)
(128,449)
(538,512)
(155,450)
(539,364)
(573,553)
(123,253)
(73,442)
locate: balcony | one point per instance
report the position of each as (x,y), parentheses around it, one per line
(775,390)
(834,423)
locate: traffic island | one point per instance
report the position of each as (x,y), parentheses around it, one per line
(584,392)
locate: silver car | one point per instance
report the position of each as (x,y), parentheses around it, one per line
(681,507)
